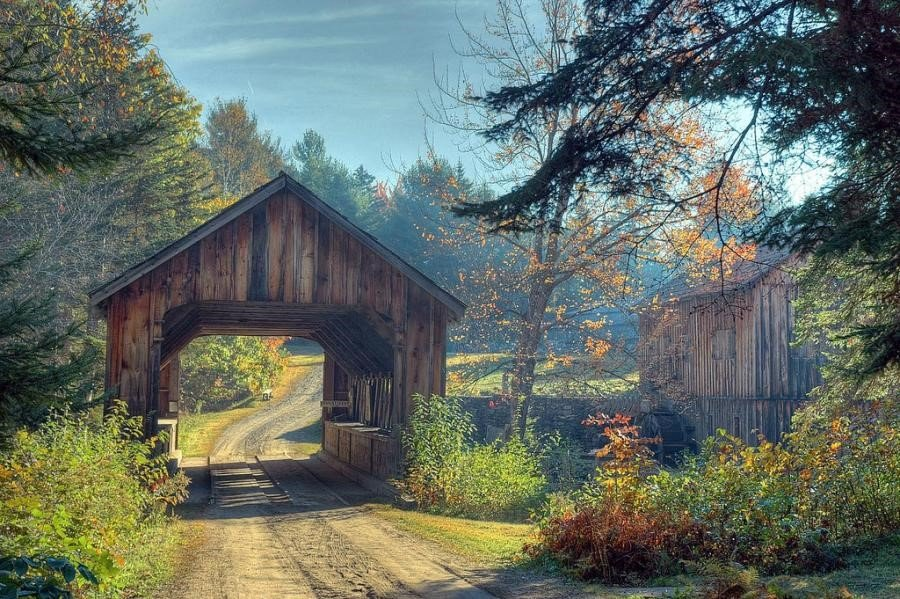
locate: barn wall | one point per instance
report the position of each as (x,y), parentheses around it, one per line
(284,251)
(729,357)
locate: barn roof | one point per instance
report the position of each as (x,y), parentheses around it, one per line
(744,273)
(260,195)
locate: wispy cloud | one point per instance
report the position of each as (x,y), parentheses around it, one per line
(331,15)
(246,48)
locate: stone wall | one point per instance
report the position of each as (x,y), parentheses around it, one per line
(492,414)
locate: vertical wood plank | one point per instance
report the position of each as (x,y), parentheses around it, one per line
(259,256)
(309,245)
(322,293)
(242,266)
(275,247)
(289,256)
(208,268)
(225,262)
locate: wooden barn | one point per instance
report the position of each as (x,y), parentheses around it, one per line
(283,262)
(724,354)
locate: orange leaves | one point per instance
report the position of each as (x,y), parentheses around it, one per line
(597,348)
(708,259)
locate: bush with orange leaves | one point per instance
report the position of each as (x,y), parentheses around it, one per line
(610,529)
(796,506)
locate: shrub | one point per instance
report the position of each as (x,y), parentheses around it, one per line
(746,499)
(848,464)
(89,491)
(447,473)
(439,430)
(791,506)
(217,371)
(497,481)
(609,529)
(775,507)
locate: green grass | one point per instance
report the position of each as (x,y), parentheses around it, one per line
(198,433)
(871,574)
(306,360)
(482,373)
(491,544)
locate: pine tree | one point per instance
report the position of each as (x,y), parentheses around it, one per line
(56,59)
(41,367)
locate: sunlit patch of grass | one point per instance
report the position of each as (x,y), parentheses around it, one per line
(305,448)
(482,373)
(306,360)
(475,359)
(491,544)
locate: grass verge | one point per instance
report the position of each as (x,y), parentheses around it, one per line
(871,574)
(198,433)
(490,544)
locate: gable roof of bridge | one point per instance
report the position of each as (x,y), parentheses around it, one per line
(260,195)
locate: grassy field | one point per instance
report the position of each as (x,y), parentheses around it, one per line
(491,544)
(197,433)
(481,373)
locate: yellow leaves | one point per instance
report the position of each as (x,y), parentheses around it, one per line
(597,348)
(594,325)
(564,360)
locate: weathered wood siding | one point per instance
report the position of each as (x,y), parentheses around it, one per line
(730,357)
(283,253)
(743,418)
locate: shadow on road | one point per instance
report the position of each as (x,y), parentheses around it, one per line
(310,433)
(268,486)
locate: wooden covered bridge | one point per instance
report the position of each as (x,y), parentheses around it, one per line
(283,262)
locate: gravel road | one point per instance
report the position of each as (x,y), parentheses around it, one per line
(273,524)
(277,525)
(280,427)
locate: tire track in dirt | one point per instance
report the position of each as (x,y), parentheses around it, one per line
(278,428)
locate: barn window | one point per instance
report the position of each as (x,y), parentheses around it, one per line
(723,346)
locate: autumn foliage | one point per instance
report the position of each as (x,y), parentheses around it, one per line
(611,531)
(795,506)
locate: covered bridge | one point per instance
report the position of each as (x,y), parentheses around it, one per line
(281,261)
(724,350)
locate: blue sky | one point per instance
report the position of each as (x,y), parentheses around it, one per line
(351,70)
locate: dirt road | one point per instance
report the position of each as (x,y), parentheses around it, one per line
(280,428)
(288,526)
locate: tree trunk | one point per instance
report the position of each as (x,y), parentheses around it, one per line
(541,285)
(527,346)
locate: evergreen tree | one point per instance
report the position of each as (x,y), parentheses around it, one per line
(351,193)
(57,59)
(41,367)
(815,79)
